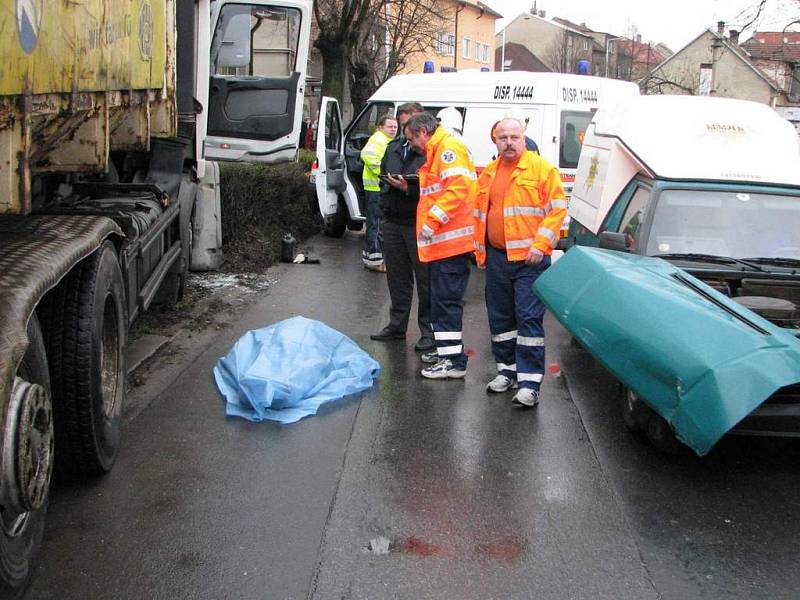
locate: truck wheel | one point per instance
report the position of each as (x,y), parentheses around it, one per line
(87,368)
(334,226)
(26,468)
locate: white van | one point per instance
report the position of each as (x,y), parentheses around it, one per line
(558,108)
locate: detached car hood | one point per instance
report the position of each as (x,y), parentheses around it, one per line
(699,359)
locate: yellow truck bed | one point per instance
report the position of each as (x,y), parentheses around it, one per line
(83,45)
(79,79)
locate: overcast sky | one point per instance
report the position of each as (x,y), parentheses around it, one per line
(674,22)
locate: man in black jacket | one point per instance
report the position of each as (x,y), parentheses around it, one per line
(399,197)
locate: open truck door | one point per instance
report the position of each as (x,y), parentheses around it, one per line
(338,202)
(259,52)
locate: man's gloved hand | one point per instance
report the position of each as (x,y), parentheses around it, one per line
(426,232)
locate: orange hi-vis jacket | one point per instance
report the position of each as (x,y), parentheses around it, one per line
(533,209)
(446,208)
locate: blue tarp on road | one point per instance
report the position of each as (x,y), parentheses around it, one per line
(286,371)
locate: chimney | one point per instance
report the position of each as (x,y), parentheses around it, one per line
(720,27)
(734,35)
(543,14)
(638,38)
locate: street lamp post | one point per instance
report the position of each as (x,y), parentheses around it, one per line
(608,44)
(503,53)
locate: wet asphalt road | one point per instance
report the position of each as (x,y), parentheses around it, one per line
(477,498)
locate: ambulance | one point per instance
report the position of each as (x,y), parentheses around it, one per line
(556,106)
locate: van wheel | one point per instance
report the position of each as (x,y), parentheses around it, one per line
(335,225)
(26,475)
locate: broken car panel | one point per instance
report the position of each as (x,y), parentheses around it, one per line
(708,336)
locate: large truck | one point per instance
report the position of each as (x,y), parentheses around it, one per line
(111,115)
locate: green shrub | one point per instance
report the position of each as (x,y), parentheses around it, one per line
(305,158)
(261,203)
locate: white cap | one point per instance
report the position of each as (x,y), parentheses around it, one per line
(450,118)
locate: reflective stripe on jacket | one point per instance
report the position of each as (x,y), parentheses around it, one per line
(446,208)
(371,156)
(533,209)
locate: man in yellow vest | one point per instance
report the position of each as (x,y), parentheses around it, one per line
(445,237)
(520,208)
(371,156)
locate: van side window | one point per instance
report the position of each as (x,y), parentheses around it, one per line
(573,128)
(633,217)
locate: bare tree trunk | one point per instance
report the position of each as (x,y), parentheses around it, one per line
(334,69)
(362,85)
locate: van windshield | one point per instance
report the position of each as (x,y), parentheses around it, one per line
(726,223)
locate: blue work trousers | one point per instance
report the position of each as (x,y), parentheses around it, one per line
(515,317)
(448,282)
(372,255)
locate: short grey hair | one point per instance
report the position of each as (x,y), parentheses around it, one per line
(422,121)
(513,119)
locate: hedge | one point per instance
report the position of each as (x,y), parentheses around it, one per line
(261,203)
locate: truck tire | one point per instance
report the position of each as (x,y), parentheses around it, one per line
(334,226)
(88,324)
(21,532)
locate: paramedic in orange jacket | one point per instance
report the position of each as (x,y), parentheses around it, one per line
(445,237)
(520,208)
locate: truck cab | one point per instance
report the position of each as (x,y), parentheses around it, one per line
(112,115)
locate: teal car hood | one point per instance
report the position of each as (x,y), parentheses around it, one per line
(698,358)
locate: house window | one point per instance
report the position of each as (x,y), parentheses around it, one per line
(446,43)
(467,47)
(482,52)
(585,44)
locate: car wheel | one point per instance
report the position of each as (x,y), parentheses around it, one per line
(635,413)
(662,435)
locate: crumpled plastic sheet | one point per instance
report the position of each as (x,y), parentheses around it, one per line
(286,371)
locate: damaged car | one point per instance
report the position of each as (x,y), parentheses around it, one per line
(682,275)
